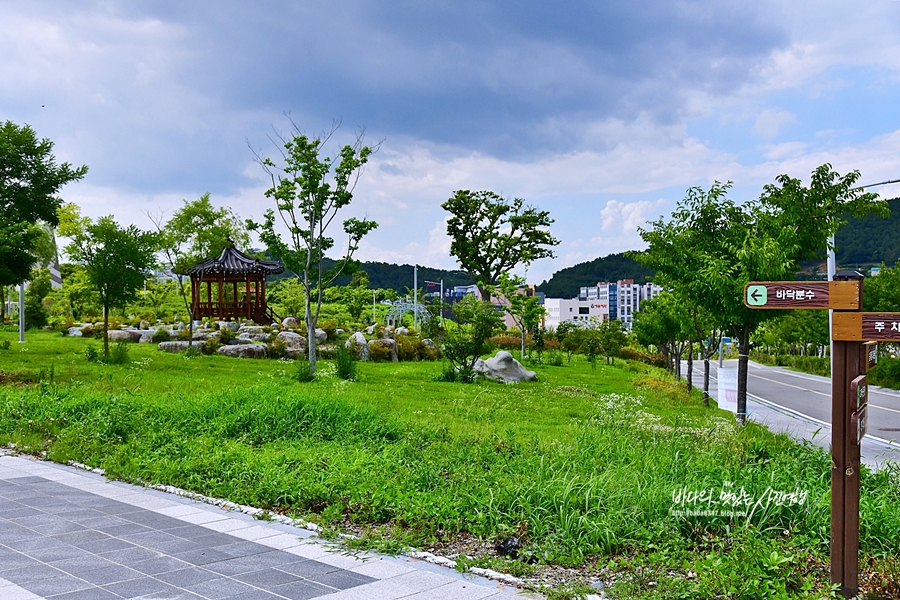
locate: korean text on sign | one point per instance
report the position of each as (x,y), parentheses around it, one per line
(882,325)
(795,294)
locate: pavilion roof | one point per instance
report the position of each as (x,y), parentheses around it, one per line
(234,262)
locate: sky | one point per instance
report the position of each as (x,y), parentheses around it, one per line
(602,113)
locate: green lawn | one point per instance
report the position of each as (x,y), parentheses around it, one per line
(582,465)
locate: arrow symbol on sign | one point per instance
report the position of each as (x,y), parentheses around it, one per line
(755,295)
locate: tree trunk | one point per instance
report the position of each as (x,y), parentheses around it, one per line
(310,335)
(2,303)
(743,363)
(106,331)
(705,379)
(690,367)
(523,341)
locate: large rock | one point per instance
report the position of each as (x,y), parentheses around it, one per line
(245,351)
(371,329)
(205,335)
(146,337)
(120,335)
(504,368)
(74,332)
(292,339)
(254,337)
(357,343)
(429,343)
(321,336)
(250,329)
(145,325)
(291,323)
(390,345)
(232,325)
(401,331)
(388,331)
(178,346)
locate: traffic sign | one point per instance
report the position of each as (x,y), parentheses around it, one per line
(865,326)
(781,295)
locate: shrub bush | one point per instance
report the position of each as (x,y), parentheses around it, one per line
(118,354)
(409,347)
(4,345)
(210,346)
(161,335)
(379,352)
(329,326)
(226,335)
(88,331)
(507,342)
(184,335)
(91,354)
(651,359)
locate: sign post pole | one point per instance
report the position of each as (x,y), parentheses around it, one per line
(845,459)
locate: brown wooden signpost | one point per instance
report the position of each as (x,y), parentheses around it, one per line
(851,359)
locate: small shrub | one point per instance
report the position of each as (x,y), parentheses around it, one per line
(303,372)
(431,353)
(191,352)
(506,342)
(91,354)
(555,358)
(161,335)
(379,352)
(655,360)
(329,326)
(118,354)
(277,348)
(345,362)
(88,331)
(409,347)
(183,336)
(463,374)
(327,351)
(210,346)
(226,335)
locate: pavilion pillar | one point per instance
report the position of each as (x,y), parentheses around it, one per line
(209,298)
(221,296)
(247,296)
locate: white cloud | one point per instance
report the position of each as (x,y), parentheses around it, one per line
(625,218)
(770,121)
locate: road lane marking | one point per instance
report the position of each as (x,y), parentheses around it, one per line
(821,393)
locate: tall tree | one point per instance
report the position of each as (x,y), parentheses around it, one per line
(115,259)
(712,247)
(196,231)
(309,191)
(30,181)
(491,235)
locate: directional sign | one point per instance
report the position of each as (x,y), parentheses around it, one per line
(859,390)
(859,422)
(862,326)
(781,295)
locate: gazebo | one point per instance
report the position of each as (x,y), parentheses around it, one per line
(239,290)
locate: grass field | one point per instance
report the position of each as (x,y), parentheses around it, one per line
(584,466)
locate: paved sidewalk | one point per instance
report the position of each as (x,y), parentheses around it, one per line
(67,534)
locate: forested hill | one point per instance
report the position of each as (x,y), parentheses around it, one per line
(396,277)
(870,240)
(567,282)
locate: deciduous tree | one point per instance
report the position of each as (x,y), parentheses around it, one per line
(30,181)
(115,259)
(491,235)
(309,191)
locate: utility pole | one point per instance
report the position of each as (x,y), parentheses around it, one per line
(416,297)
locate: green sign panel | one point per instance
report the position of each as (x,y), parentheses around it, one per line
(757,295)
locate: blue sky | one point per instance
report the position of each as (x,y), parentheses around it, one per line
(601,113)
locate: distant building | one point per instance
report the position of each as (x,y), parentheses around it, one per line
(576,310)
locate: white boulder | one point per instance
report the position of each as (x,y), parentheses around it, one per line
(290,323)
(504,368)
(245,351)
(357,342)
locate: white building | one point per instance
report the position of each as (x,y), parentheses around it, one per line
(576,310)
(623,298)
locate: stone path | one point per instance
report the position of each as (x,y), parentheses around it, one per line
(70,535)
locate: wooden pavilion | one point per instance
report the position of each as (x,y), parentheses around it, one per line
(235,287)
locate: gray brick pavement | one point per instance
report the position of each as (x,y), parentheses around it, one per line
(71,535)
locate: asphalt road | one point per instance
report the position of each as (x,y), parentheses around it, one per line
(800,404)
